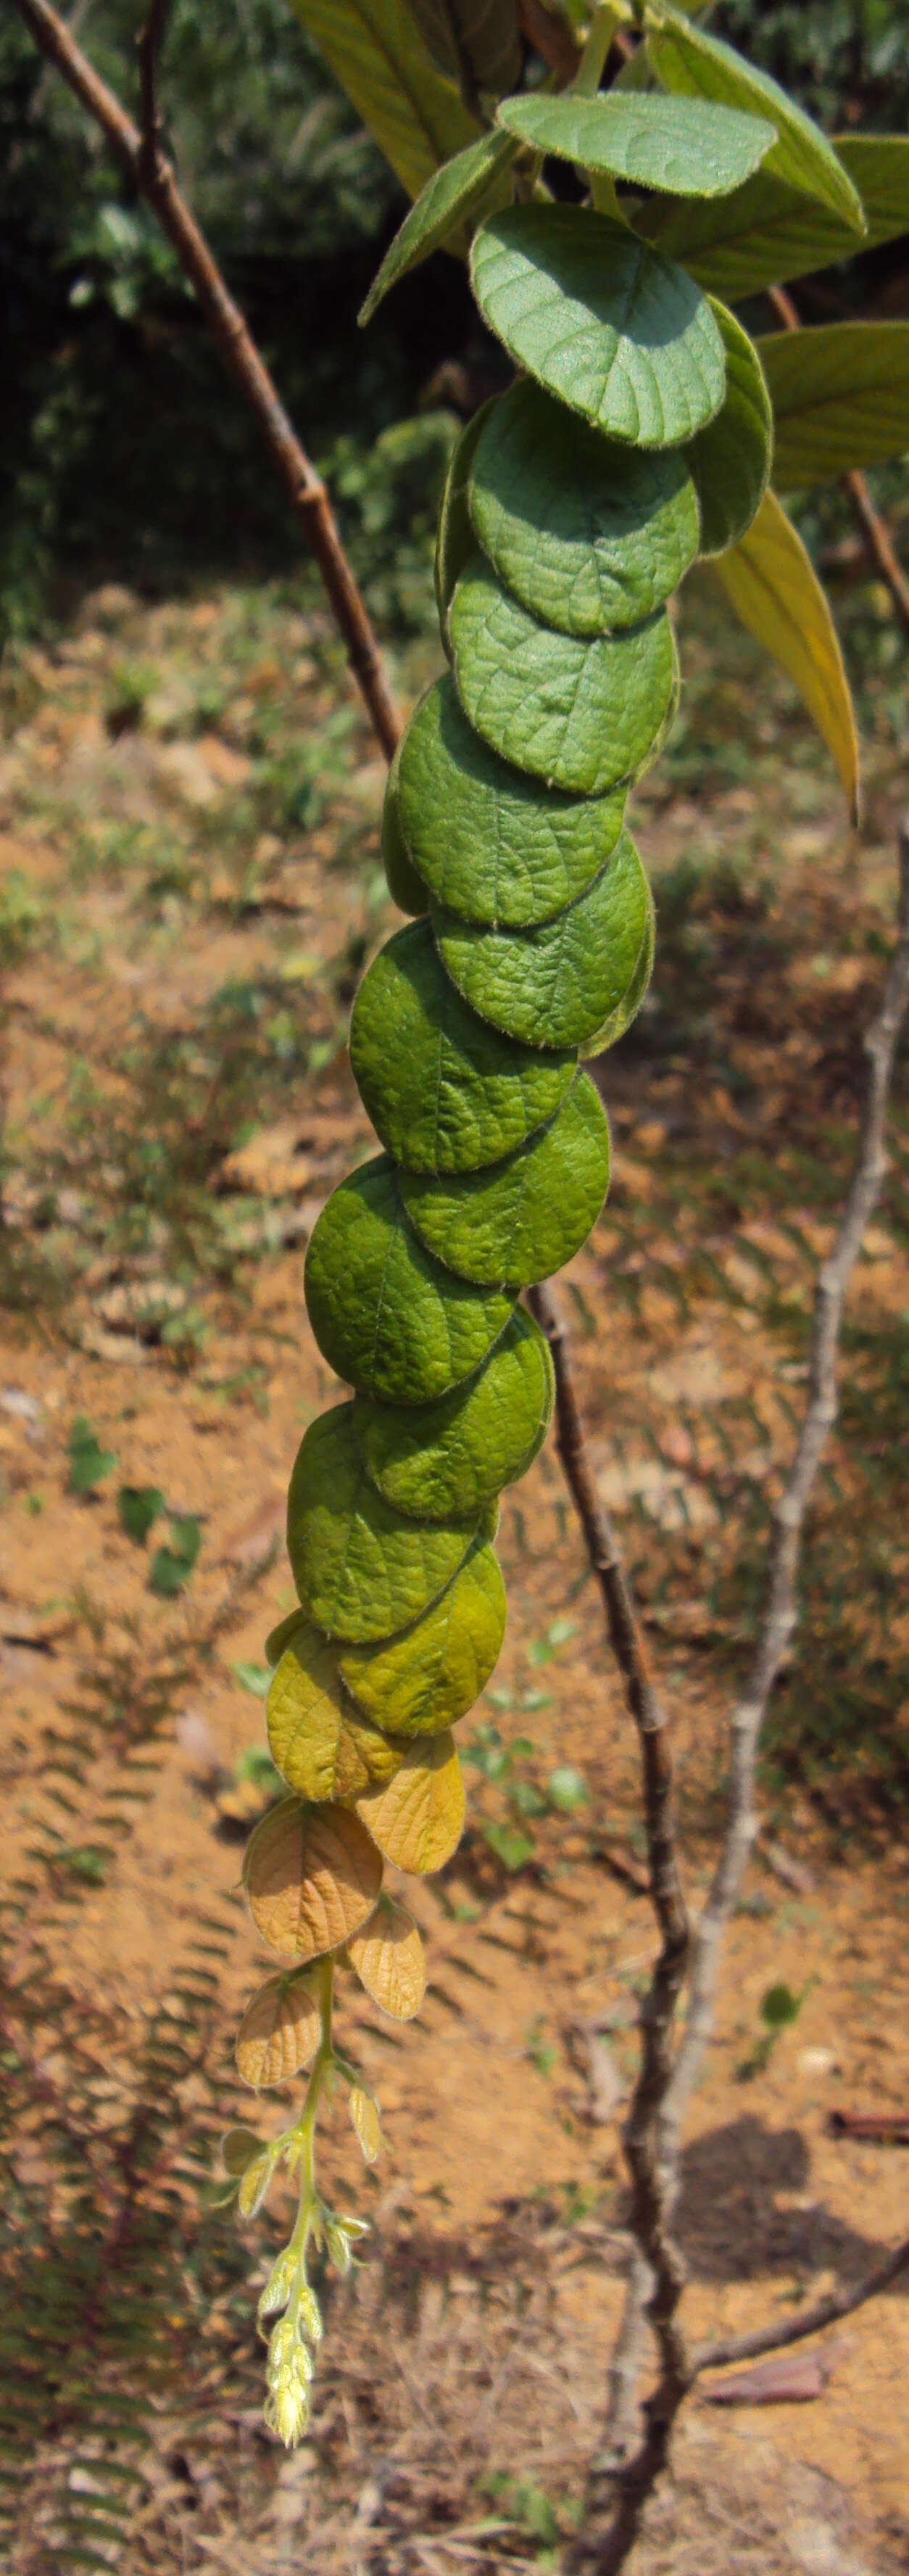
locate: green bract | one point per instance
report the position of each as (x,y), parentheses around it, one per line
(450,1458)
(487,840)
(587,534)
(444,1090)
(556,985)
(527,1215)
(360,1569)
(580,714)
(607,325)
(386,1315)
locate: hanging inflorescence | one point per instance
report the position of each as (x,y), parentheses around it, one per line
(635,435)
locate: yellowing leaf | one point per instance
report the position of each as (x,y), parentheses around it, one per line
(388,1958)
(417,1818)
(365,2116)
(775,590)
(378,55)
(321,1744)
(311,1876)
(279,2032)
(238,2149)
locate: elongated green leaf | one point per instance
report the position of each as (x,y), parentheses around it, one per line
(775,591)
(840,398)
(587,535)
(451,1458)
(616,332)
(580,714)
(426,1679)
(690,147)
(688,59)
(767,231)
(385,1315)
(524,1217)
(730,459)
(445,1092)
(558,984)
(493,844)
(464,188)
(375,50)
(479,40)
(361,1569)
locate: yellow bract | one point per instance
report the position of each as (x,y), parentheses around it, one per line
(322,1746)
(279,2032)
(417,1818)
(311,1876)
(388,1958)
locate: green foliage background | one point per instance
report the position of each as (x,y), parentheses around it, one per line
(107,364)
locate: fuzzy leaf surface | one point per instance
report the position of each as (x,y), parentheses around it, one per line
(562,981)
(455,539)
(451,1458)
(312,1876)
(529,1214)
(445,1092)
(494,845)
(767,231)
(588,535)
(620,1019)
(775,590)
(417,1821)
(389,1960)
(731,459)
(375,50)
(405,886)
(386,1316)
(690,147)
(580,713)
(609,326)
(320,1743)
(361,1568)
(465,187)
(687,59)
(422,1682)
(840,398)
(279,2032)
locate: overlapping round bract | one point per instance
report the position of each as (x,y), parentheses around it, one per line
(574,504)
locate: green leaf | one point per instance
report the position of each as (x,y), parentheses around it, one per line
(620,1019)
(474,40)
(687,146)
(463,189)
(492,844)
(610,327)
(405,887)
(730,459)
(280,1636)
(377,53)
(779,2005)
(386,1316)
(445,1092)
(361,1569)
(426,1680)
(319,1743)
(581,714)
(589,536)
(775,591)
(172,1566)
(556,985)
(253,1677)
(511,1847)
(88,1462)
(455,540)
(138,1507)
(840,398)
(699,65)
(567,1788)
(767,231)
(524,1217)
(448,1459)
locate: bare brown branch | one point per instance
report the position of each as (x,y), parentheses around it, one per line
(825,2312)
(873,530)
(151,174)
(148,47)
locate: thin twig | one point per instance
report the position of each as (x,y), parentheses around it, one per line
(151,174)
(872,528)
(809,2321)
